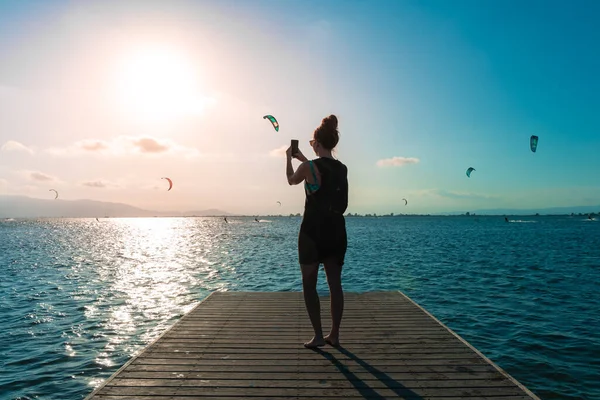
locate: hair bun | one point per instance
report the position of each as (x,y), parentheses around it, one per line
(327,133)
(330,122)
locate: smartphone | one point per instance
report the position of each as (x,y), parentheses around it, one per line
(294,147)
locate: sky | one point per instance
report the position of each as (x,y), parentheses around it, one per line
(101,99)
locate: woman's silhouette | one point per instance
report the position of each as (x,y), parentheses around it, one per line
(322,237)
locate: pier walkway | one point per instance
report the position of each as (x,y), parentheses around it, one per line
(249,345)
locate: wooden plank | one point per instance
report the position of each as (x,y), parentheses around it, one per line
(446,354)
(473,370)
(325,391)
(274,344)
(291,346)
(249,345)
(303,375)
(304,363)
(312,383)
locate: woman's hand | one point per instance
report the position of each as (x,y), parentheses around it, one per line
(300,156)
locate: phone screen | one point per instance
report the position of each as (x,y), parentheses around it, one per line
(294,146)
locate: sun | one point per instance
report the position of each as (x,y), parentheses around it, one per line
(158,84)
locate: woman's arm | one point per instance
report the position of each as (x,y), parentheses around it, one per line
(297,177)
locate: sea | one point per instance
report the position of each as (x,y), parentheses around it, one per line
(80,297)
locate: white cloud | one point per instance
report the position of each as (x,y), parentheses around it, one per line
(149,145)
(93,145)
(99,184)
(125,146)
(12,145)
(279,152)
(397,161)
(38,176)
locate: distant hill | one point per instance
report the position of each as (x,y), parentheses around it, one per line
(27,207)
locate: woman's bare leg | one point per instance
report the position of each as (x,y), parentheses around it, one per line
(310,273)
(334,279)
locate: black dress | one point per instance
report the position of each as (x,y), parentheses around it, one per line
(323,231)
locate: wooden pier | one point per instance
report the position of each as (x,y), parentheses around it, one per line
(249,345)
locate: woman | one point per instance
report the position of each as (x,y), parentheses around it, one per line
(322,237)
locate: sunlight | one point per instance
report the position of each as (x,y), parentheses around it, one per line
(158,84)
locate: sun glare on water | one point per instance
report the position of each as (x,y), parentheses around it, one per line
(157,84)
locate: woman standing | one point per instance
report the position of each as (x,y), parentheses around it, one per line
(322,237)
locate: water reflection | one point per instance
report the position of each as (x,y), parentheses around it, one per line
(147,278)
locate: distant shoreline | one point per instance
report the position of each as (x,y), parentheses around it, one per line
(300,216)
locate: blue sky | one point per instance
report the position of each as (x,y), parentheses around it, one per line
(90,106)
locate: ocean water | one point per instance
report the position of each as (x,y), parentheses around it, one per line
(78,297)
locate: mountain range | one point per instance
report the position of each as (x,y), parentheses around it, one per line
(27,207)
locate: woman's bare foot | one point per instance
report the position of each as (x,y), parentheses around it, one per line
(332,340)
(315,342)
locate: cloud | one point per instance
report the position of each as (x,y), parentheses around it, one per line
(40,177)
(397,161)
(37,176)
(94,145)
(122,146)
(97,184)
(279,152)
(12,145)
(149,145)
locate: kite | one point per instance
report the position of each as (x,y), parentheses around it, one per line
(405,202)
(471,169)
(56,195)
(533,141)
(273,121)
(279,203)
(170,183)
